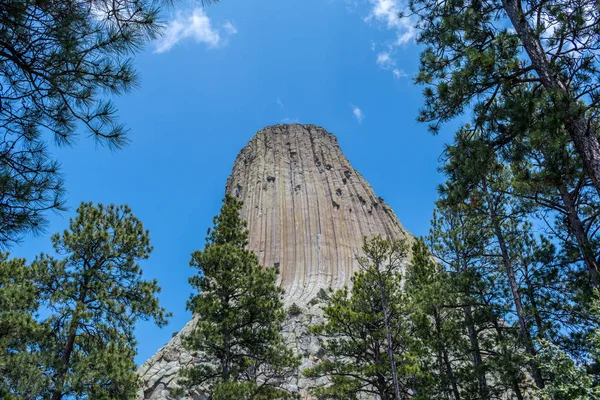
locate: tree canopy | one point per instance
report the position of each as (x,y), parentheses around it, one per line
(71,319)
(513,63)
(60,61)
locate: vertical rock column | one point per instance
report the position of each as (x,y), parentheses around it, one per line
(307,211)
(307,208)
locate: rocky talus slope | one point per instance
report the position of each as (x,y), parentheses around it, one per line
(307,211)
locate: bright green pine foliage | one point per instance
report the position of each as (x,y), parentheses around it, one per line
(544,172)
(353,336)
(239,308)
(20,331)
(549,211)
(570,380)
(525,171)
(434,310)
(478,302)
(93,296)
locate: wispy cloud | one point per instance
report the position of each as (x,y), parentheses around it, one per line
(358,114)
(385,61)
(385,13)
(230,28)
(195,25)
(279,103)
(287,119)
(398,73)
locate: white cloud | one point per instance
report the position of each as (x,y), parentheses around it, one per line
(384,60)
(288,120)
(230,28)
(279,103)
(386,13)
(407,35)
(398,73)
(192,25)
(358,114)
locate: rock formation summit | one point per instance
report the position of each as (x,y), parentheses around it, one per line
(307,208)
(308,211)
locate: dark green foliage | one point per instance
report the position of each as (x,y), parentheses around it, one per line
(58,61)
(528,216)
(434,311)
(294,310)
(20,332)
(472,301)
(570,381)
(91,299)
(525,171)
(354,336)
(506,60)
(520,171)
(549,210)
(321,297)
(238,338)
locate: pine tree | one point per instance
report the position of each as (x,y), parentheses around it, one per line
(21,333)
(502,57)
(541,179)
(58,61)
(510,195)
(358,336)
(528,164)
(492,364)
(383,258)
(93,297)
(237,341)
(570,380)
(433,309)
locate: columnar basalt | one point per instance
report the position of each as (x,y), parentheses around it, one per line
(307,208)
(308,211)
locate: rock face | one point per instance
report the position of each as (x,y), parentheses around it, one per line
(307,211)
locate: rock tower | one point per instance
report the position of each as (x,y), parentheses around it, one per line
(308,211)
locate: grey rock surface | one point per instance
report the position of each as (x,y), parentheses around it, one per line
(307,211)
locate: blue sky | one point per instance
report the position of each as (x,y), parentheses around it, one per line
(220,74)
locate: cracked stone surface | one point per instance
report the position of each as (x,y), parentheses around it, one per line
(307,211)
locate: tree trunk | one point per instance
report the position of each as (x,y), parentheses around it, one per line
(585,140)
(515,383)
(388,335)
(534,306)
(68,348)
(475,350)
(225,361)
(578,230)
(514,287)
(445,358)
(382,387)
(462,268)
